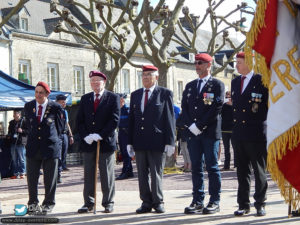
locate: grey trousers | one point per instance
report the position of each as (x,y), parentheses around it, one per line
(107,177)
(150,163)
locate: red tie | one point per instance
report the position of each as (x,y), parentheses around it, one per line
(242,83)
(146,97)
(39,113)
(96,102)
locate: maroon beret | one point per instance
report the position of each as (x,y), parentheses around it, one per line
(44,85)
(203,57)
(241,55)
(149,68)
(94,73)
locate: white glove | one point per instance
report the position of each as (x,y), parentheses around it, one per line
(130,150)
(96,137)
(89,139)
(194,129)
(169,149)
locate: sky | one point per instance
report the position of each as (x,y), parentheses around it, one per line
(198,7)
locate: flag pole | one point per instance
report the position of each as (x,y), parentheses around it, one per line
(95,185)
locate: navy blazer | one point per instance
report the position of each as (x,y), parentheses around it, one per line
(154,128)
(44,136)
(103,122)
(205,116)
(249,111)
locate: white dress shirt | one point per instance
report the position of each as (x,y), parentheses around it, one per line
(204,81)
(100,94)
(247,80)
(44,105)
(143,97)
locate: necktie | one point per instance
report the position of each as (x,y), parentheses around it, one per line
(96,102)
(146,97)
(39,113)
(242,83)
(199,86)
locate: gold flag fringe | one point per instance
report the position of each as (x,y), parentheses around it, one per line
(276,150)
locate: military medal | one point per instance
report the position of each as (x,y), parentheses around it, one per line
(33,110)
(205,98)
(255,108)
(253,96)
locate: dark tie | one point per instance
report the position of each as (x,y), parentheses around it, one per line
(39,113)
(146,97)
(242,83)
(199,86)
(96,102)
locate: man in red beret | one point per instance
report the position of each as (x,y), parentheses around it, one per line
(201,105)
(151,136)
(250,107)
(97,119)
(44,125)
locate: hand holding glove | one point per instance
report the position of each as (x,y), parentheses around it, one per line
(169,149)
(194,129)
(96,137)
(89,139)
(130,150)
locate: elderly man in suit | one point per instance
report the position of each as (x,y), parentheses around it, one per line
(151,136)
(250,107)
(97,118)
(43,124)
(201,107)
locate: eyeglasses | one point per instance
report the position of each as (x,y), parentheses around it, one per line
(199,62)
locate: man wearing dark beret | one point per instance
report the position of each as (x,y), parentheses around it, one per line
(201,105)
(44,125)
(97,118)
(151,137)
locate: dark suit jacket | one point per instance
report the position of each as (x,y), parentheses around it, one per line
(206,117)
(103,122)
(249,115)
(155,127)
(44,136)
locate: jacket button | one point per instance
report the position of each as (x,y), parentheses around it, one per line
(195,119)
(39,138)
(39,128)
(196,107)
(143,118)
(142,128)
(249,101)
(243,121)
(234,110)
(244,110)
(93,123)
(234,120)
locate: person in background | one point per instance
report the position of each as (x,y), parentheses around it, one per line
(123,140)
(17,138)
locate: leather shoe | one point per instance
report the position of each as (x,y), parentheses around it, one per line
(160,209)
(47,208)
(124,176)
(211,208)
(85,209)
(194,208)
(260,211)
(241,211)
(143,209)
(109,209)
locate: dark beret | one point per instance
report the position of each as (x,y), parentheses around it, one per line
(203,57)
(60,97)
(44,85)
(94,73)
(149,68)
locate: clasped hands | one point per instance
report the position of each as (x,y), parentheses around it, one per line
(92,137)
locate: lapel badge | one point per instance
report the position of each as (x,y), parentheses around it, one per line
(232,93)
(188,95)
(134,106)
(255,108)
(33,110)
(190,89)
(50,120)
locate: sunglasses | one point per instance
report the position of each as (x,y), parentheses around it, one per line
(199,62)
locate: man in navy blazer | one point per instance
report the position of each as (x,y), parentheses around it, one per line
(97,118)
(43,124)
(201,105)
(250,107)
(151,136)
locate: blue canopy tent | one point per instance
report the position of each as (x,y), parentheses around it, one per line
(14,93)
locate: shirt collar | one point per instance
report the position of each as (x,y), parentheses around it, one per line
(44,104)
(151,88)
(100,93)
(249,75)
(205,79)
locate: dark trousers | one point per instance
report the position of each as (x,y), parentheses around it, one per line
(200,149)
(107,177)
(251,154)
(150,163)
(226,136)
(50,177)
(64,150)
(123,141)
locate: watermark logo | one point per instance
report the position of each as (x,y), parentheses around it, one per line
(20,210)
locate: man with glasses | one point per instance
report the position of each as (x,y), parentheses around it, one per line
(151,137)
(97,119)
(201,107)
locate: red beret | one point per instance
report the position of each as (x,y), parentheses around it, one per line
(241,55)
(44,85)
(149,68)
(94,73)
(204,57)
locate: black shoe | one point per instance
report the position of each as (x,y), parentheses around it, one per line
(194,208)
(211,208)
(160,209)
(260,211)
(66,169)
(109,209)
(85,209)
(241,211)
(143,209)
(47,208)
(124,176)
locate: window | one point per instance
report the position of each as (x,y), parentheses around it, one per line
(179,90)
(53,76)
(139,79)
(78,80)
(24,71)
(125,81)
(24,24)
